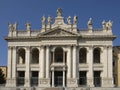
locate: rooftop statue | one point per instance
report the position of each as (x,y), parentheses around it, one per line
(90,24)
(49,20)
(104,24)
(109,24)
(90,21)
(59,12)
(15,26)
(10,26)
(69,20)
(43,20)
(75,20)
(28,26)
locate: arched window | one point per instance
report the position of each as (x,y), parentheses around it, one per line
(35,56)
(82,55)
(96,55)
(58,54)
(21,56)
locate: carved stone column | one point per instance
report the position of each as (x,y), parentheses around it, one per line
(64,57)
(53,77)
(69,62)
(69,67)
(42,62)
(48,66)
(74,62)
(63,77)
(90,63)
(39,67)
(27,64)
(74,73)
(53,56)
(104,74)
(9,70)
(14,54)
(43,82)
(110,66)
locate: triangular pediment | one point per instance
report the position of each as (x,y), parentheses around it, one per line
(57,32)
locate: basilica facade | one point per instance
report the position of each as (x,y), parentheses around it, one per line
(60,54)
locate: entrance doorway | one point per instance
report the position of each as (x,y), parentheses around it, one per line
(58,78)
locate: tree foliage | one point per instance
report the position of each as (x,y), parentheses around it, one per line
(2,78)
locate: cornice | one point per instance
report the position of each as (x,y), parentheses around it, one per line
(112,37)
(48,37)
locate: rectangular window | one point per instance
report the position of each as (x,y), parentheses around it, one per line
(82,78)
(21,78)
(34,78)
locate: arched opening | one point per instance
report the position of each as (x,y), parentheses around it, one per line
(58,54)
(21,56)
(96,55)
(82,55)
(35,56)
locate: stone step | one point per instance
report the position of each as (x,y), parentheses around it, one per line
(55,88)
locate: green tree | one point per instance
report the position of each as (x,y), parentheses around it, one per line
(2,78)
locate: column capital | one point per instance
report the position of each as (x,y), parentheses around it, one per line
(14,47)
(105,47)
(64,68)
(42,47)
(90,47)
(53,49)
(10,47)
(27,47)
(52,69)
(74,46)
(110,47)
(69,46)
(47,45)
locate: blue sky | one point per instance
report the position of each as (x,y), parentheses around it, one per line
(24,11)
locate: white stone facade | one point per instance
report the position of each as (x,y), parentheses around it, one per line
(60,54)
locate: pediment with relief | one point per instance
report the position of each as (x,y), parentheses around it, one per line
(57,32)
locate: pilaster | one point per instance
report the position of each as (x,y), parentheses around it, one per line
(9,70)
(48,65)
(43,81)
(14,54)
(104,74)
(27,71)
(53,77)
(69,67)
(69,62)
(63,77)
(42,62)
(110,66)
(74,73)
(90,62)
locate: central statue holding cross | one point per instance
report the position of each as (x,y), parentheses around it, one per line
(59,12)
